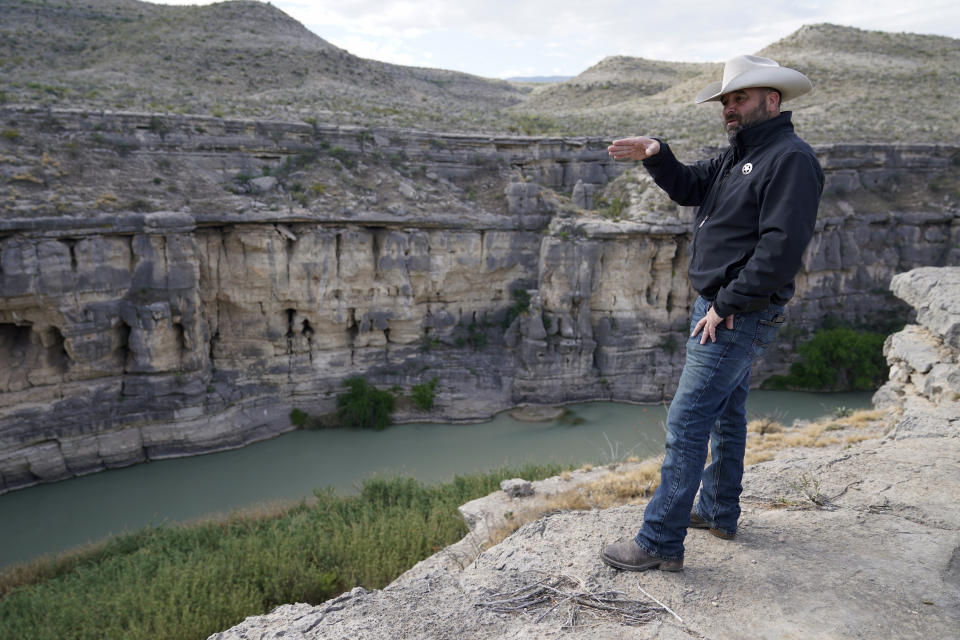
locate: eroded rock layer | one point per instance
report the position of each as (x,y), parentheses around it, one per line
(176,285)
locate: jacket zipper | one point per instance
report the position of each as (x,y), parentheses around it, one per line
(716,193)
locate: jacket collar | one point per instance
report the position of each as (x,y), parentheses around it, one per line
(758,134)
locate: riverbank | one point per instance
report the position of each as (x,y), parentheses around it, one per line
(56,517)
(189,581)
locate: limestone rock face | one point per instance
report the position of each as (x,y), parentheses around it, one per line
(173,291)
(925,358)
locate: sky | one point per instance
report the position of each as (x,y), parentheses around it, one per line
(523,38)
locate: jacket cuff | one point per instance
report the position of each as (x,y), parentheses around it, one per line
(661,156)
(721,309)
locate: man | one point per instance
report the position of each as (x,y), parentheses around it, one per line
(757,209)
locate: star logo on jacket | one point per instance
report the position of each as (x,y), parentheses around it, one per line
(746,168)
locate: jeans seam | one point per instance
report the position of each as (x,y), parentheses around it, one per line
(716,479)
(656,555)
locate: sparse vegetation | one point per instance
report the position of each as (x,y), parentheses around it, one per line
(521,303)
(298,417)
(611,209)
(532,124)
(343,156)
(106,200)
(476,335)
(809,485)
(304,76)
(637,482)
(766,435)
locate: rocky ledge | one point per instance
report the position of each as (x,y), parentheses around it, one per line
(861,541)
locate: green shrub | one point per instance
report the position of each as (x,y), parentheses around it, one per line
(669,343)
(521,303)
(291,164)
(298,417)
(423,394)
(159,126)
(343,156)
(476,336)
(364,406)
(837,359)
(612,208)
(429,344)
(532,125)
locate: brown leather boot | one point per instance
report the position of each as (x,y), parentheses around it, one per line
(696,522)
(627,554)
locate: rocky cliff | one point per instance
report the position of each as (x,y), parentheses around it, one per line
(173,285)
(925,357)
(860,540)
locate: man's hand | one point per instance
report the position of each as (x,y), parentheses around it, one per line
(637,148)
(708,324)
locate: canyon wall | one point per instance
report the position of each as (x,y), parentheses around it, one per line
(176,285)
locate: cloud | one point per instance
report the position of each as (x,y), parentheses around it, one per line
(496,37)
(390,50)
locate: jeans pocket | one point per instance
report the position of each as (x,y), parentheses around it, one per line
(766,332)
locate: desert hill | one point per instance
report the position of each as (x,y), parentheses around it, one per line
(249,59)
(868,86)
(228,59)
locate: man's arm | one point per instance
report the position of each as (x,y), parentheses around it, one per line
(685,184)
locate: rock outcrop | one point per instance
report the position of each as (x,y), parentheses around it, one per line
(925,357)
(861,541)
(172,285)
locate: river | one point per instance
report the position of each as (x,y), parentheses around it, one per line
(54,517)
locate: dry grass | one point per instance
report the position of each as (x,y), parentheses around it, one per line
(636,483)
(766,437)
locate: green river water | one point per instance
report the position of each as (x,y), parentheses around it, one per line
(54,517)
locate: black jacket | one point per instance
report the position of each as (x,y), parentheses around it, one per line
(757,209)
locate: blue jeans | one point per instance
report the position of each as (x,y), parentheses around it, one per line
(709,405)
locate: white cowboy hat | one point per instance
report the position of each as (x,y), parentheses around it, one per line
(744,72)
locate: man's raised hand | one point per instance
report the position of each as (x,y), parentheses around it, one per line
(637,148)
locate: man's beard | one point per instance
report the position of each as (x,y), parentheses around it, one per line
(758,115)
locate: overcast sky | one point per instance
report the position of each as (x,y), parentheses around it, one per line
(507,38)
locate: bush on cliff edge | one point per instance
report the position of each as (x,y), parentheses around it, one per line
(837,359)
